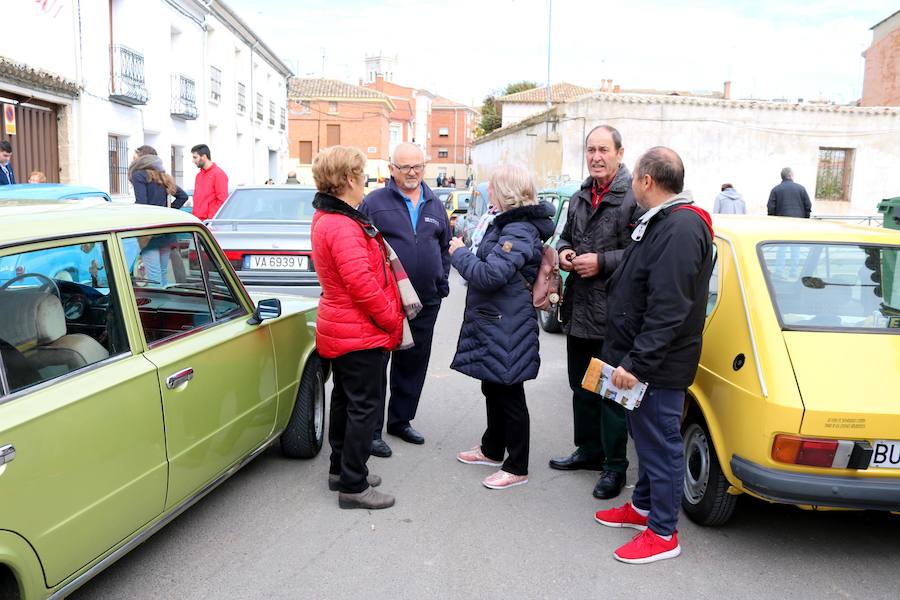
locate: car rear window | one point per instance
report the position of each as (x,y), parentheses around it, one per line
(834,286)
(275,204)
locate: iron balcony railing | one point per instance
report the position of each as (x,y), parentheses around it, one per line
(184,97)
(241,98)
(126,82)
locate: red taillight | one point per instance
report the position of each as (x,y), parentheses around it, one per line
(234,255)
(803,451)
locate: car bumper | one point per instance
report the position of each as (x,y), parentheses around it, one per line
(304,284)
(817,490)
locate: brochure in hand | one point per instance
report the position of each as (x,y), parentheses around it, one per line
(598,379)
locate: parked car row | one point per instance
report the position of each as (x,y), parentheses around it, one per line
(131,389)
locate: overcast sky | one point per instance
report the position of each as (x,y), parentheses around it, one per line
(464,49)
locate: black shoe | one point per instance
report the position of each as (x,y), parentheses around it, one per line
(609,485)
(573,462)
(408,434)
(380,448)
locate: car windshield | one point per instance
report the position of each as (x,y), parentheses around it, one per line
(834,286)
(272,204)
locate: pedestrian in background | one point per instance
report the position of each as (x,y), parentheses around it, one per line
(439,182)
(789,199)
(210,184)
(7,174)
(498,341)
(658,295)
(451,182)
(37,177)
(153,186)
(415,224)
(729,201)
(292,178)
(590,248)
(359,320)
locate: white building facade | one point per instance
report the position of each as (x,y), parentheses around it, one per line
(846,156)
(166,73)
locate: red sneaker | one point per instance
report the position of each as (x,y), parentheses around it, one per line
(623,516)
(647,547)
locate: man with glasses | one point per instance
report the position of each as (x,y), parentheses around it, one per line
(415,224)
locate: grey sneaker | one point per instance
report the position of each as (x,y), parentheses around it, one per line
(369,498)
(335,480)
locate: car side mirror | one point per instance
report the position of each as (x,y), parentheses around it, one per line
(266,309)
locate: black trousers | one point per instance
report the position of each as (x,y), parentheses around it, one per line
(508,426)
(600,429)
(355,403)
(408,370)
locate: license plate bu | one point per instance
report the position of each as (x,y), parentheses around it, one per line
(277,263)
(885,455)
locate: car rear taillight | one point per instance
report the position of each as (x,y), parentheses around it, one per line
(818,452)
(236,258)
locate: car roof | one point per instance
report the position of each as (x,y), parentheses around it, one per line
(566,189)
(753,229)
(49,191)
(279,186)
(22,221)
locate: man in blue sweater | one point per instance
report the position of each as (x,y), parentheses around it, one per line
(415,224)
(7,176)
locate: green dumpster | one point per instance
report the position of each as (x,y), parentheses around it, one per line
(891,209)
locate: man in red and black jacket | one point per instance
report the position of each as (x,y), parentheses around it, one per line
(415,224)
(654,334)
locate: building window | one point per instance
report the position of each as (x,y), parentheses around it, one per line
(118,164)
(259,107)
(184,103)
(127,83)
(241,98)
(444,131)
(332,107)
(215,84)
(271,114)
(443,153)
(305,153)
(283,119)
(834,174)
(333,136)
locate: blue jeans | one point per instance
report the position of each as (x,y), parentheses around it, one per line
(656,428)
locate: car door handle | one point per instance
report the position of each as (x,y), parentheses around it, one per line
(176,379)
(7,454)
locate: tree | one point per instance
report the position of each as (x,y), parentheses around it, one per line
(490,118)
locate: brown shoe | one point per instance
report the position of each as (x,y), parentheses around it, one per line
(335,480)
(369,498)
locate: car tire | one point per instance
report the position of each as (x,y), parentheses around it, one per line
(705,498)
(549,320)
(305,431)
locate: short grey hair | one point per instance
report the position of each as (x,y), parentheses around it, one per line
(787,173)
(513,186)
(616,136)
(664,166)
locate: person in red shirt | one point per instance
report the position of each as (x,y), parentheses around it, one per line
(210,185)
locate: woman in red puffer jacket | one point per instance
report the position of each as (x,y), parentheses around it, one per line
(360,319)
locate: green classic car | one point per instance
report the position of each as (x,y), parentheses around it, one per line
(559,198)
(129,395)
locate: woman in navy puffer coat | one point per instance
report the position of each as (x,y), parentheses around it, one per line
(498,342)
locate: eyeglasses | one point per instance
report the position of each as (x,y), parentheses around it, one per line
(409,168)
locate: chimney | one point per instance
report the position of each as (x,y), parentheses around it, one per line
(617,88)
(727,92)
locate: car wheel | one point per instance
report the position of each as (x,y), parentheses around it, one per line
(705,500)
(549,320)
(303,436)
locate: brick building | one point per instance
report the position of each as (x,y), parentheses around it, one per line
(452,130)
(409,120)
(327,112)
(881,86)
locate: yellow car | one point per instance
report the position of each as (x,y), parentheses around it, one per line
(796,399)
(457,203)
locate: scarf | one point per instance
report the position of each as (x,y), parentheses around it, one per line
(148,161)
(408,296)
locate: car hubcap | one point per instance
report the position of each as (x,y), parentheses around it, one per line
(319,406)
(696,458)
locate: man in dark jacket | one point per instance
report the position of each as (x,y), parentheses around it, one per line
(657,303)
(7,175)
(789,199)
(590,248)
(415,224)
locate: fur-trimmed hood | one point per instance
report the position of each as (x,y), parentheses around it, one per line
(540,215)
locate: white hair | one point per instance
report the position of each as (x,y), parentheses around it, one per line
(513,186)
(408,145)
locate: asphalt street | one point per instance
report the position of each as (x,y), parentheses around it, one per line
(275,531)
